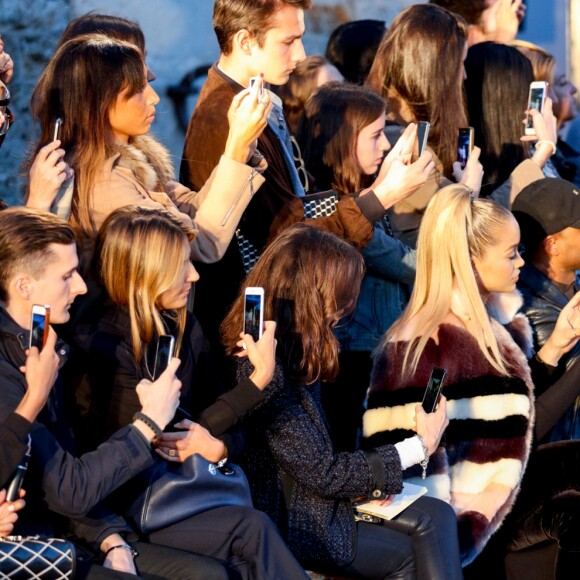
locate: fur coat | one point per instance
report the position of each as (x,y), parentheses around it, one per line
(479,464)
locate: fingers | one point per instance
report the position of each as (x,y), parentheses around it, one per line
(49,149)
(172,366)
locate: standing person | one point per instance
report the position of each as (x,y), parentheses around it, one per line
(467,267)
(488,20)
(424,85)
(262,37)
(311,279)
(117,163)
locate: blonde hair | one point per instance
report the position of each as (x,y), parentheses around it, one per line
(454,229)
(137,255)
(543,63)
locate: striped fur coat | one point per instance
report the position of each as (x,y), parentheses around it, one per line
(480,462)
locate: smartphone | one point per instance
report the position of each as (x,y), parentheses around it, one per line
(260,80)
(39,324)
(254,312)
(536,99)
(13,492)
(163,354)
(422,136)
(464,145)
(57,129)
(433,390)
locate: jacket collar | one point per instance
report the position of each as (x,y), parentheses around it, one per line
(540,284)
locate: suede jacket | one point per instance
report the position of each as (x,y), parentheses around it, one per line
(479,464)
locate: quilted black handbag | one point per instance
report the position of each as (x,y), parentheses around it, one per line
(23,558)
(168,493)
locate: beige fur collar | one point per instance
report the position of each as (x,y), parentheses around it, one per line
(149,161)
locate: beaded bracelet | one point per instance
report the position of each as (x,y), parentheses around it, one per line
(150,423)
(425,461)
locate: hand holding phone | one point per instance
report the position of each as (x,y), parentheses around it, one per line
(536,99)
(39,325)
(433,390)
(254,312)
(464,145)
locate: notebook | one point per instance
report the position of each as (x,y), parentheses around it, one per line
(401,501)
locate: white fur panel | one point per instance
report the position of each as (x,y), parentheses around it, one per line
(490,407)
(437,485)
(473,478)
(388,419)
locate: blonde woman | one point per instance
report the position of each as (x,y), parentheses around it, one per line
(462,317)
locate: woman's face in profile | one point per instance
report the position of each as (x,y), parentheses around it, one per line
(498,269)
(132,116)
(176,298)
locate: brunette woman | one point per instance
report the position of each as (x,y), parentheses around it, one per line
(146,299)
(462,317)
(311,279)
(117,163)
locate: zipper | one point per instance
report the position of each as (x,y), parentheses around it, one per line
(248,182)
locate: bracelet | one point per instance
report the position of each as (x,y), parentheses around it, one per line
(134,552)
(150,423)
(425,461)
(547,142)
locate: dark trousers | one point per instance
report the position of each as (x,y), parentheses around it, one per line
(548,507)
(421,542)
(158,563)
(245,540)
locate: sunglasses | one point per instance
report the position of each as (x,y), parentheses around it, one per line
(299,162)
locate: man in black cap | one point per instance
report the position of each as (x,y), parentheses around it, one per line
(548,211)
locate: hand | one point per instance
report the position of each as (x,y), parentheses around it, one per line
(565,334)
(6,65)
(195,439)
(248,117)
(402,180)
(545,123)
(8,515)
(40,370)
(402,150)
(472,174)
(262,354)
(159,400)
(507,20)
(431,426)
(120,560)
(48,172)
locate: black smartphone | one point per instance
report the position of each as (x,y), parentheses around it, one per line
(433,390)
(13,492)
(464,145)
(57,129)
(254,312)
(163,354)
(422,136)
(39,324)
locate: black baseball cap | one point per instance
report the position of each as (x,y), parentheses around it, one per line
(546,207)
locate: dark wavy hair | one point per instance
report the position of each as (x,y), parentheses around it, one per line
(333,118)
(311,279)
(418,70)
(496,87)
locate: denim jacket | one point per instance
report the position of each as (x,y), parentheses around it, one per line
(384,293)
(543,302)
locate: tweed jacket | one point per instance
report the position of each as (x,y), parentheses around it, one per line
(479,464)
(297,478)
(141,173)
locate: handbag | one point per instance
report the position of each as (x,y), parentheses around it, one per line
(23,558)
(315,205)
(172,492)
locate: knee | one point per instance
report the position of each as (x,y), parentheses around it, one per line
(437,514)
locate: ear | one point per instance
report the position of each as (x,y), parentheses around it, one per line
(244,40)
(21,286)
(550,245)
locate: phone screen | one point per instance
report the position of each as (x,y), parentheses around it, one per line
(433,390)
(422,136)
(536,100)
(164,354)
(253,319)
(39,327)
(464,146)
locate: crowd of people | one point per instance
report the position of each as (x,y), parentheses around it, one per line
(414,259)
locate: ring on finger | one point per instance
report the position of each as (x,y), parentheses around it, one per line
(172,453)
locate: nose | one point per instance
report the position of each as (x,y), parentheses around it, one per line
(78,285)
(192,275)
(152,96)
(520,263)
(384,143)
(299,52)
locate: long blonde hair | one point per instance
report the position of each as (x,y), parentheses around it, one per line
(454,229)
(138,256)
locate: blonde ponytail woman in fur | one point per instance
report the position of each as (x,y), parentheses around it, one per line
(462,317)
